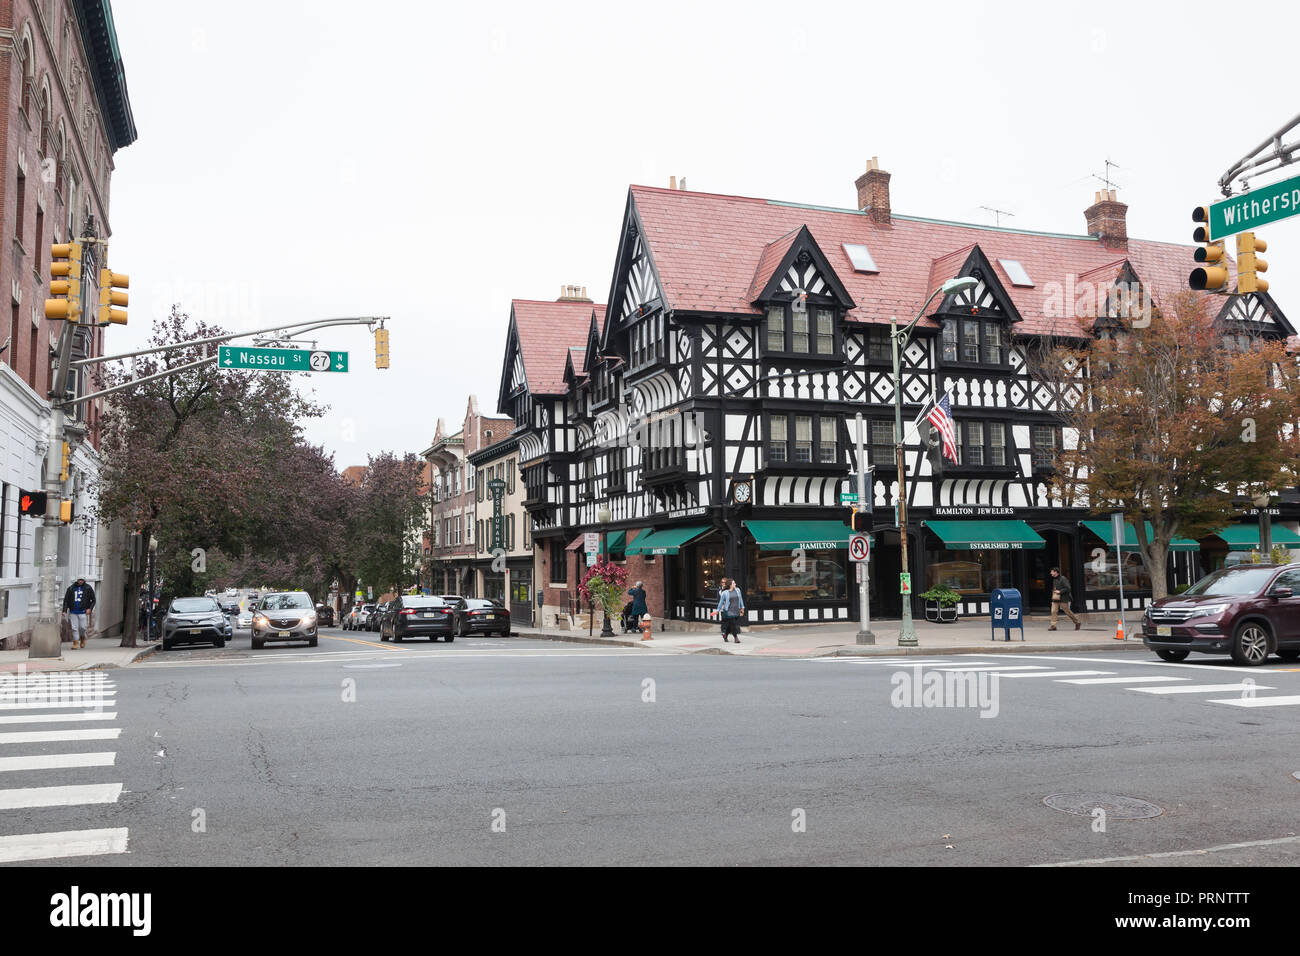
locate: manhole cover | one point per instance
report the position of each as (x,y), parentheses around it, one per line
(1116,807)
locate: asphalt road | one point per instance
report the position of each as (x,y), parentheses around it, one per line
(507,751)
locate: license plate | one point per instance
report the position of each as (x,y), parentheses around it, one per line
(284,633)
(196,630)
(1164,630)
(427,614)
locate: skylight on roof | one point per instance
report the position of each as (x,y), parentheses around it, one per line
(1016,272)
(860,257)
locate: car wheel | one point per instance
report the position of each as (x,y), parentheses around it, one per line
(258,643)
(449,638)
(166,644)
(312,642)
(220,643)
(396,639)
(1250,644)
(1172,656)
(506,632)
(1289,654)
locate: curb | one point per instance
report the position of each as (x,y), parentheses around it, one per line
(992,647)
(141,654)
(609,642)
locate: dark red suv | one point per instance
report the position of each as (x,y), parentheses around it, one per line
(1249,611)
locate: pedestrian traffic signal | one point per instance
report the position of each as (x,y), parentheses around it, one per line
(109,283)
(1248,263)
(381,348)
(67,453)
(1212,275)
(31,503)
(859,519)
(65,282)
(65,511)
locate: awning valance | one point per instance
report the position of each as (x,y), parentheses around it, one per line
(987,535)
(667,540)
(617,539)
(806,535)
(1241,537)
(1102,530)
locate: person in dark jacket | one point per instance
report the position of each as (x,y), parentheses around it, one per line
(638,600)
(1061,598)
(78,601)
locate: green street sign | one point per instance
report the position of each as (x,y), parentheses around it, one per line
(282,360)
(1255,208)
(848,497)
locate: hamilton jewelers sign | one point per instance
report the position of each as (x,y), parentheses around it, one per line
(973,511)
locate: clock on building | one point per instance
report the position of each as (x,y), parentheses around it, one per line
(740,492)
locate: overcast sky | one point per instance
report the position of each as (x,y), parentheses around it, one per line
(431,161)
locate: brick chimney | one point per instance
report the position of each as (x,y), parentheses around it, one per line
(1106,219)
(573,293)
(873,191)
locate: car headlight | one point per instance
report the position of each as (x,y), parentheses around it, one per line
(309,619)
(1208,610)
(260,619)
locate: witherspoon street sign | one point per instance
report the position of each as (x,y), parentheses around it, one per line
(1255,208)
(282,360)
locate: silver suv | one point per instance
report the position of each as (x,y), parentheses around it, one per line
(284,616)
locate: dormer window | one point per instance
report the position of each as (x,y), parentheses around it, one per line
(809,331)
(973,341)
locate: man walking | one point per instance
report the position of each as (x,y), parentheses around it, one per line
(1061,598)
(78,601)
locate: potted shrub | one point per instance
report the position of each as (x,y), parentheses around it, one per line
(941,604)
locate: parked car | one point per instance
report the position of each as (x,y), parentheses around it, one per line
(285,616)
(417,615)
(377,615)
(194,620)
(1248,611)
(480,616)
(353,618)
(324,615)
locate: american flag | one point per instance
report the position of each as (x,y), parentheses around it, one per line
(941,418)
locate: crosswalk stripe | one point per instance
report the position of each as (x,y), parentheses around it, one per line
(1123,680)
(993,667)
(65,843)
(60,736)
(58,718)
(865,660)
(1061,674)
(1199,688)
(59,796)
(1260,701)
(109,701)
(57,761)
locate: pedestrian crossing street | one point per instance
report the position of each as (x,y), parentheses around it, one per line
(1155,678)
(47,722)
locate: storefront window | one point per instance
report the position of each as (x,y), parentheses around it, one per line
(779,576)
(1100,573)
(710,567)
(968,572)
(494,587)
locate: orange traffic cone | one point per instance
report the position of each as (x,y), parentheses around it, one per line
(1119,630)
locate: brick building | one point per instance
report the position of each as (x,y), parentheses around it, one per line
(66,113)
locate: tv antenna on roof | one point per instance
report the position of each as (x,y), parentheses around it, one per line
(1106,180)
(997,214)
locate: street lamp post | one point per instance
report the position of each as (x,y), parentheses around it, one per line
(1265,528)
(603,516)
(898,341)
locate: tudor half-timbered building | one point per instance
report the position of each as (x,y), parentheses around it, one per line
(704,421)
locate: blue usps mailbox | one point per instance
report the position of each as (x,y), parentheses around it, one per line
(1006,612)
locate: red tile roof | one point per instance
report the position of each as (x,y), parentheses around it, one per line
(547,331)
(708,250)
(768,262)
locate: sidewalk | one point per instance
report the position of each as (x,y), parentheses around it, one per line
(830,640)
(100,653)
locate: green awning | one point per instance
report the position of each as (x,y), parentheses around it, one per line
(807,535)
(668,540)
(986,535)
(617,540)
(1243,537)
(1102,530)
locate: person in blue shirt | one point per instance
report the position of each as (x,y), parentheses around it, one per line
(78,601)
(639,609)
(731,608)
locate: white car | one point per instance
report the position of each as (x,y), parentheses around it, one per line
(245,619)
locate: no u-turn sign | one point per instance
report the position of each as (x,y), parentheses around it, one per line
(860,547)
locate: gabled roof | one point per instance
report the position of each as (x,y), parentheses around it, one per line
(546,331)
(706,248)
(796,262)
(768,262)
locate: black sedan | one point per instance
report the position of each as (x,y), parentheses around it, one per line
(417,615)
(480,616)
(195,620)
(324,615)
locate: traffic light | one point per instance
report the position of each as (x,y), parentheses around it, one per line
(859,519)
(63,473)
(1212,275)
(381,348)
(65,511)
(109,283)
(31,503)
(1248,263)
(65,281)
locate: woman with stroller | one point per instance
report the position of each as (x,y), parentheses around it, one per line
(635,610)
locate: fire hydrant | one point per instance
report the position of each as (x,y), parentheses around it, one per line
(647,625)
